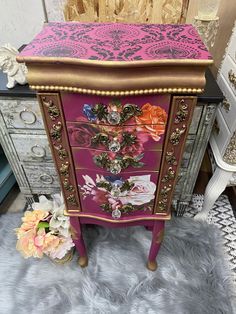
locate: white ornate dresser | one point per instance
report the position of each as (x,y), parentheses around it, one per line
(222,149)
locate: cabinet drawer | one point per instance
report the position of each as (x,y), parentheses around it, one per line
(41,176)
(32,147)
(228,66)
(228,108)
(21,114)
(187,152)
(121,138)
(152,109)
(97,159)
(221,132)
(195,119)
(101,194)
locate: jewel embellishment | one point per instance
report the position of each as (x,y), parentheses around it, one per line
(115,167)
(113,117)
(116,213)
(115,192)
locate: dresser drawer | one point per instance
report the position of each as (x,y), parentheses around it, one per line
(228,70)
(41,176)
(21,114)
(195,119)
(126,139)
(221,132)
(228,108)
(152,109)
(97,159)
(133,193)
(32,147)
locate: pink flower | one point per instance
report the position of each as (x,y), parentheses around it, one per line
(81,134)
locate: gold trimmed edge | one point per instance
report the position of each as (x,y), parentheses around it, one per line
(117,93)
(88,62)
(81,215)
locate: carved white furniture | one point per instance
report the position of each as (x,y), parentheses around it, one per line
(223,138)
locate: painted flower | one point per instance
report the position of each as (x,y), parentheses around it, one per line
(36,243)
(141,193)
(66,243)
(82,134)
(87,110)
(133,150)
(152,120)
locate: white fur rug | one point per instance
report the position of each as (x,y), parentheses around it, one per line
(192,277)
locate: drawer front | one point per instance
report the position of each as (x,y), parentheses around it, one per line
(21,114)
(126,139)
(131,194)
(41,176)
(228,107)
(195,120)
(188,148)
(229,72)
(114,163)
(32,147)
(152,109)
(221,132)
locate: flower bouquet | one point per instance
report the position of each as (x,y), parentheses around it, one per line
(46,231)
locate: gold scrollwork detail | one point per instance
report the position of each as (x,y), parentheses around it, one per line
(176,135)
(232,77)
(169,175)
(68,187)
(71,199)
(165,190)
(170,158)
(55,131)
(64,169)
(62,153)
(182,113)
(162,204)
(53,111)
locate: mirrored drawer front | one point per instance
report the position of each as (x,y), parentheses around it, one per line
(228,106)
(116,163)
(195,119)
(32,147)
(124,139)
(130,110)
(221,132)
(118,195)
(21,114)
(41,175)
(228,70)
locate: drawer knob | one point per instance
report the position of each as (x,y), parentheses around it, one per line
(116,214)
(46,178)
(38,151)
(113,117)
(114,145)
(27,116)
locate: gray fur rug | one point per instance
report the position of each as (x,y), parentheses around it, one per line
(191,278)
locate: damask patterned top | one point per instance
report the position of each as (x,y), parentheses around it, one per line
(117,42)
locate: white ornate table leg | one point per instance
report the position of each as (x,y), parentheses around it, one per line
(214,188)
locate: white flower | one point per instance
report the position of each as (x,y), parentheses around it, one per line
(60,251)
(43,204)
(141,193)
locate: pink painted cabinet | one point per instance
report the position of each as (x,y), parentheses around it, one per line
(117,101)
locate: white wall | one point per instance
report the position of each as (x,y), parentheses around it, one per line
(20,21)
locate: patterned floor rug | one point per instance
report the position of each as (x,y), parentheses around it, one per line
(192,277)
(221,215)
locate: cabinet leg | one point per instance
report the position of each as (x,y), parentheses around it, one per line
(157,237)
(79,241)
(215,187)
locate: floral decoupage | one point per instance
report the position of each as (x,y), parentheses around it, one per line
(45,230)
(128,193)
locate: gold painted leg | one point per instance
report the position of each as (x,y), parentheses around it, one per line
(152,265)
(83,261)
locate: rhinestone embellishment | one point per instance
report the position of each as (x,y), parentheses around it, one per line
(116,213)
(115,192)
(113,117)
